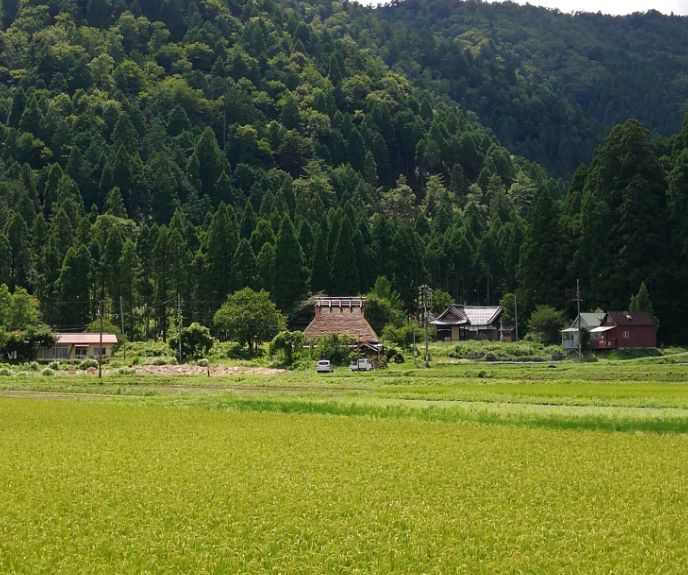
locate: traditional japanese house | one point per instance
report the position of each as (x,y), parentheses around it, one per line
(459,322)
(343,316)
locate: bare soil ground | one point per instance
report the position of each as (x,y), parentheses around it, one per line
(218,370)
(198,370)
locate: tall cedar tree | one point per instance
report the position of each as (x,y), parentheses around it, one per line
(540,267)
(291,274)
(244,267)
(344,276)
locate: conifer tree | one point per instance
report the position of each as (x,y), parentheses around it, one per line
(344,276)
(111,256)
(262,234)
(249,220)
(114,203)
(641,300)
(540,267)
(17,234)
(130,276)
(73,292)
(244,267)
(320,276)
(206,165)
(266,265)
(5,259)
(291,274)
(221,243)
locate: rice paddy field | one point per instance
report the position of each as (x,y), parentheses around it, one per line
(464,468)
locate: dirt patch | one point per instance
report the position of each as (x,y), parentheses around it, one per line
(217,370)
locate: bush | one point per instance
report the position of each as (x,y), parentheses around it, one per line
(54,365)
(545,323)
(202,362)
(288,345)
(339,350)
(164,361)
(5,371)
(403,336)
(506,351)
(33,366)
(196,341)
(47,372)
(228,350)
(88,363)
(126,371)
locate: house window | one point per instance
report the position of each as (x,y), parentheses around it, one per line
(627,334)
(81,352)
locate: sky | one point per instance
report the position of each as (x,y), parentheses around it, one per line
(606,7)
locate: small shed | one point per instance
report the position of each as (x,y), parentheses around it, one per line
(625,329)
(342,316)
(79,346)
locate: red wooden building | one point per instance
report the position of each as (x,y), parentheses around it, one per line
(623,329)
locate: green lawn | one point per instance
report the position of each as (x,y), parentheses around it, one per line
(471,468)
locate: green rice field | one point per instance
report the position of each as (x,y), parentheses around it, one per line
(466,468)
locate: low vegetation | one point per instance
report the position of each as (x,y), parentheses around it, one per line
(500,351)
(331,486)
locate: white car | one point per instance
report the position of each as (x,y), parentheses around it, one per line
(324,366)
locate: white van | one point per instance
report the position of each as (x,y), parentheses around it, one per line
(361,364)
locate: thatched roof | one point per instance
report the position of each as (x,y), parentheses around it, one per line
(341,316)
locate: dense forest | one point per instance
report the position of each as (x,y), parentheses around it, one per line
(550,85)
(178,150)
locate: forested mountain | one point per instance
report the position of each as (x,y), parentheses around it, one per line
(190,148)
(550,85)
(178,150)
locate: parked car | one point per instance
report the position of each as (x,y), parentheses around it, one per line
(361,364)
(324,366)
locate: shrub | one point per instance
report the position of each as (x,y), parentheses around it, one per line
(33,365)
(545,322)
(203,362)
(5,371)
(288,345)
(47,372)
(196,341)
(126,371)
(54,365)
(88,363)
(339,350)
(506,351)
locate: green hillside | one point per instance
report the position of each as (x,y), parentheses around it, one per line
(176,151)
(549,84)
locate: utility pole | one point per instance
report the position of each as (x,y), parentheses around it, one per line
(100,348)
(121,319)
(179,324)
(516,314)
(425,294)
(578,302)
